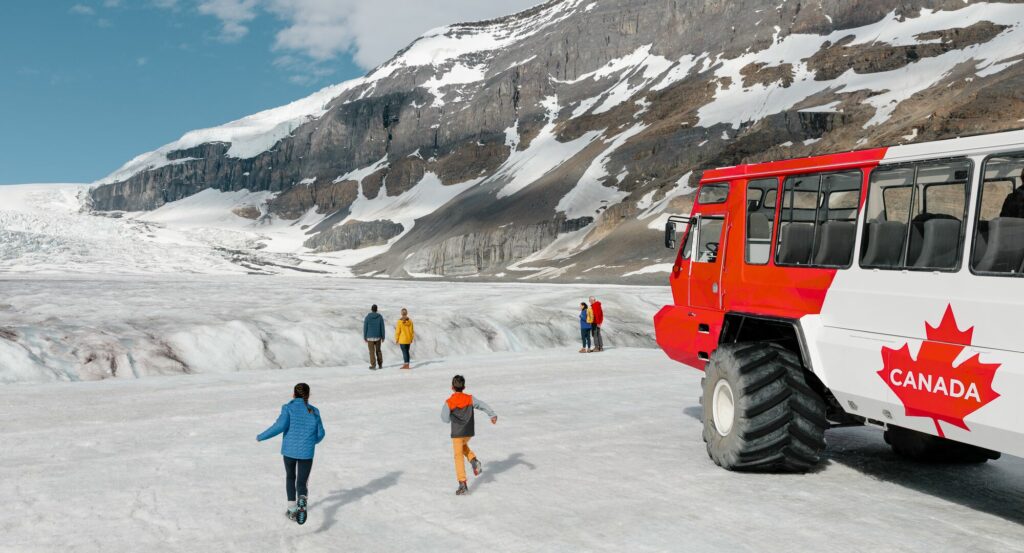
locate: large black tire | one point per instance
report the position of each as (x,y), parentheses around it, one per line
(779,421)
(925,448)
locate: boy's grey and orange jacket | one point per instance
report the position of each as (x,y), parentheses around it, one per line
(458,410)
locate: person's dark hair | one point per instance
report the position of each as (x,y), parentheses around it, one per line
(583,304)
(373,308)
(302,391)
(458,383)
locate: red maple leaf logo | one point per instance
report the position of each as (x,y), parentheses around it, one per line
(930,386)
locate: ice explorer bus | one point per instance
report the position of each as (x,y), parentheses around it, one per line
(881,286)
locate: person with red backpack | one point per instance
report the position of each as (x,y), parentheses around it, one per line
(595,327)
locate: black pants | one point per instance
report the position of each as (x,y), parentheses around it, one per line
(595,332)
(297,474)
(405,352)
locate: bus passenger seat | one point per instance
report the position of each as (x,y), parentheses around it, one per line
(939,245)
(980,243)
(759,226)
(795,243)
(885,243)
(1005,250)
(836,245)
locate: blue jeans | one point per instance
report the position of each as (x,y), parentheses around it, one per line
(405,351)
(585,334)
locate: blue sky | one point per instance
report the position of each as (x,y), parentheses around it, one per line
(86,85)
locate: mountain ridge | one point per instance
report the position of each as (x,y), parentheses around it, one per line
(569,130)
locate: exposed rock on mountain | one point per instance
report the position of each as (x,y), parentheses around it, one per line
(551,143)
(354,235)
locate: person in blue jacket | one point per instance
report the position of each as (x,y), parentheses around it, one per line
(303,429)
(373,335)
(586,321)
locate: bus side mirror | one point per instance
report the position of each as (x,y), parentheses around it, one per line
(670,235)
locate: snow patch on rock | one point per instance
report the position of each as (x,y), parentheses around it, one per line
(590,194)
(735,104)
(544,154)
(656,268)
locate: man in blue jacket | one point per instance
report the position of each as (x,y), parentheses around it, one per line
(373,334)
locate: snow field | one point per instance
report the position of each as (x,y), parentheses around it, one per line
(598,452)
(43,230)
(87,329)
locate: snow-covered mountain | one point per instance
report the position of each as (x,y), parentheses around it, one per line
(551,143)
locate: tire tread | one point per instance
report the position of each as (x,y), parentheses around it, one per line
(780,421)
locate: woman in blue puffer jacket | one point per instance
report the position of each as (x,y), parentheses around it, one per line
(303,429)
(586,323)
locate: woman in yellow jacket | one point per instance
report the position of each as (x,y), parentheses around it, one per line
(404,335)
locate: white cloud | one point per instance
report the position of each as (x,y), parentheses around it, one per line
(233,16)
(314,33)
(82,9)
(304,72)
(140,61)
(89,11)
(111,3)
(373,30)
(316,28)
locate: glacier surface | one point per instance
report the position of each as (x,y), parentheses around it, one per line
(591,453)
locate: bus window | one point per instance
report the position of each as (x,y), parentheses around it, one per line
(710,240)
(715,193)
(897,197)
(687,243)
(939,211)
(760,220)
(817,223)
(918,224)
(999,229)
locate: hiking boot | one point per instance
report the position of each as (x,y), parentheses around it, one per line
(300,515)
(405,366)
(478,467)
(291,514)
(373,367)
(463,489)
(583,350)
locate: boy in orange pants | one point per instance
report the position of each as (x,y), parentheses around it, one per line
(458,410)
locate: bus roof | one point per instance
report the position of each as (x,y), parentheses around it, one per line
(828,162)
(979,144)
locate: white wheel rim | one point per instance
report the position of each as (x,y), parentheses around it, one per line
(723,408)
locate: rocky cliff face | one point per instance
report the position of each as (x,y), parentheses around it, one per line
(354,235)
(550,142)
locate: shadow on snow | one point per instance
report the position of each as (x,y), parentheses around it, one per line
(498,467)
(336,500)
(994,487)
